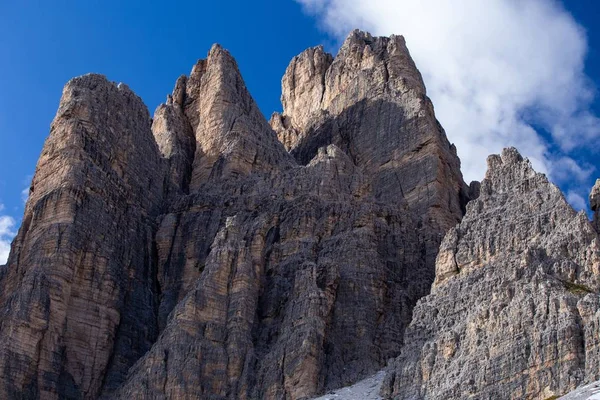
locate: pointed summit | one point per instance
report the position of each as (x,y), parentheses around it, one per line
(232,136)
(370,101)
(513,312)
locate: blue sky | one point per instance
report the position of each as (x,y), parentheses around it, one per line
(148,44)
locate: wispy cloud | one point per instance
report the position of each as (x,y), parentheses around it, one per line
(500,73)
(7,233)
(25,195)
(576,200)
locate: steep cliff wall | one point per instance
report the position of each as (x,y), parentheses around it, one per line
(514,311)
(78,299)
(195,255)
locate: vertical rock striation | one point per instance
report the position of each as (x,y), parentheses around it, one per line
(513,312)
(280,280)
(371,102)
(78,299)
(176,142)
(195,255)
(232,137)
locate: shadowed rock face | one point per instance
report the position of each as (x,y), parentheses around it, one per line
(513,312)
(370,101)
(195,255)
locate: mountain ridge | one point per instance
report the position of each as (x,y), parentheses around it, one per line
(210,253)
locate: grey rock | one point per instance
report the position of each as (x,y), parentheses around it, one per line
(370,101)
(513,312)
(595,204)
(201,257)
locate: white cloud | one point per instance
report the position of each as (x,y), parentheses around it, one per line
(25,191)
(25,195)
(498,72)
(577,201)
(7,226)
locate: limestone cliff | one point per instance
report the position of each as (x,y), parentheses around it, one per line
(195,255)
(514,311)
(78,299)
(208,253)
(371,102)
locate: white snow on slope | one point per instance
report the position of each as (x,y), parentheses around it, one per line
(367,389)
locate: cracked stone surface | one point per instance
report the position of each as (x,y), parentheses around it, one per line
(195,255)
(514,310)
(78,297)
(208,253)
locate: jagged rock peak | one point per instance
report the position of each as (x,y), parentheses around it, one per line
(511,189)
(365,67)
(507,170)
(210,128)
(178,95)
(361,49)
(232,137)
(81,91)
(370,102)
(513,312)
(303,86)
(79,266)
(595,204)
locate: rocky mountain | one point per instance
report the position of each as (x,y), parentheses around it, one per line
(514,311)
(208,253)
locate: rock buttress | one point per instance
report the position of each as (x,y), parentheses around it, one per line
(78,298)
(513,313)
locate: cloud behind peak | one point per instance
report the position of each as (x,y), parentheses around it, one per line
(7,227)
(500,73)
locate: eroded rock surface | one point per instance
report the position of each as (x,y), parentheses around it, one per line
(78,299)
(370,101)
(513,313)
(198,256)
(595,204)
(286,278)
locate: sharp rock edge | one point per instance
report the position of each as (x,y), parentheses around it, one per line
(209,253)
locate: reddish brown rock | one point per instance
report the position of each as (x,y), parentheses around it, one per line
(79,296)
(203,260)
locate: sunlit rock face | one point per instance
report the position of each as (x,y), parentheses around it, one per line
(208,253)
(205,253)
(514,310)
